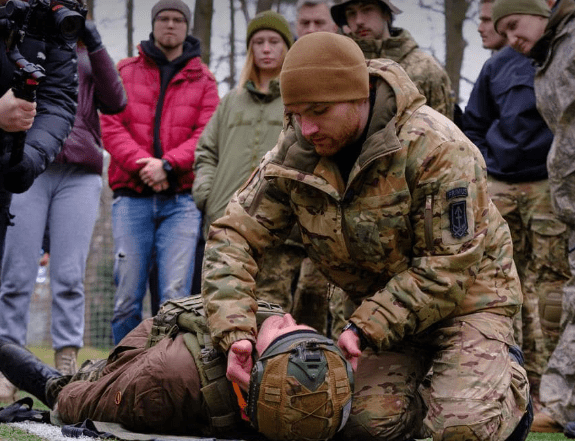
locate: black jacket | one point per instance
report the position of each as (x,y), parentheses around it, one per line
(56,99)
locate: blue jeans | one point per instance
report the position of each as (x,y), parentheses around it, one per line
(165,226)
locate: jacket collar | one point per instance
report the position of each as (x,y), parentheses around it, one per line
(563,12)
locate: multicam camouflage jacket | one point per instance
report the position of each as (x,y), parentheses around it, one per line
(413,237)
(423,69)
(555,94)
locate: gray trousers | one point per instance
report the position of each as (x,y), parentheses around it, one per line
(66,198)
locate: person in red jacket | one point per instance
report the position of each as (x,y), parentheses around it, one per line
(171,97)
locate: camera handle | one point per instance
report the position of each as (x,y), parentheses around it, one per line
(24,84)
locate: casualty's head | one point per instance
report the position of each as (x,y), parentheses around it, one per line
(325,89)
(301,385)
(521,22)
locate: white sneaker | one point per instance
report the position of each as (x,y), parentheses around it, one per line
(8,392)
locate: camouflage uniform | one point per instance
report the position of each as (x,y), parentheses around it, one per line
(432,82)
(223,163)
(423,69)
(416,244)
(540,253)
(555,92)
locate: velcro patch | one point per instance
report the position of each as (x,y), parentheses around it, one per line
(458,219)
(460,192)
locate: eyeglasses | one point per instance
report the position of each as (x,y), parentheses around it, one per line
(165,20)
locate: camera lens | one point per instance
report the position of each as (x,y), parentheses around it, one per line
(16,8)
(69,23)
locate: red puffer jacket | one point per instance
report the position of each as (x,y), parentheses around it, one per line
(190,99)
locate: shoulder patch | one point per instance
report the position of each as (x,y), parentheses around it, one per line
(458,224)
(460,192)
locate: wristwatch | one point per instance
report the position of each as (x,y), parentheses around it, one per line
(167,166)
(353,327)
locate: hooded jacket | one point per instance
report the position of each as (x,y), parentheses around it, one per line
(243,129)
(413,237)
(190,98)
(423,69)
(56,98)
(554,91)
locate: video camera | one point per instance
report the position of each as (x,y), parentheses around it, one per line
(44,20)
(51,21)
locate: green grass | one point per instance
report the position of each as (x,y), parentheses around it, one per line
(9,433)
(46,354)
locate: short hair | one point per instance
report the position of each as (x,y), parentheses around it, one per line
(301,3)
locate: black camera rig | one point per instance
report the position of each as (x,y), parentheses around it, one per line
(50,21)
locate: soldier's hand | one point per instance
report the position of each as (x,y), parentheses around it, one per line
(240,363)
(16,115)
(350,346)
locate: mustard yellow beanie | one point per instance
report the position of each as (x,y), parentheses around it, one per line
(324,67)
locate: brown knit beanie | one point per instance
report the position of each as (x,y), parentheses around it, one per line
(173,5)
(324,67)
(270,20)
(503,8)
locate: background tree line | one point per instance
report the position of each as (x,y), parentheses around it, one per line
(455,15)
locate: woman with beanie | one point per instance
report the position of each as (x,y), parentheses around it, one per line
(548,37)
(243,129)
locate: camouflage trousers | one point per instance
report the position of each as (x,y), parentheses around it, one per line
(540,254)
(558,381)
(311,297)
(454,382)
(289,278)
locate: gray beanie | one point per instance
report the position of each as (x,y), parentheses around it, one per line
(503,8)
(174,5)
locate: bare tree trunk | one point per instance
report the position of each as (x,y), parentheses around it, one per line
(202,29)
(455,15)
(264,5)
(232,58)
(130,26)
(90,6)
(244,9)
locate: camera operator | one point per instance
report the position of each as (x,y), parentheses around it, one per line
(48,121)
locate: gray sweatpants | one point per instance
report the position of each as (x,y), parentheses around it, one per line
(67,199)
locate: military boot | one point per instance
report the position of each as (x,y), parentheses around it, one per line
(27,372)
(8,392)
(65,360)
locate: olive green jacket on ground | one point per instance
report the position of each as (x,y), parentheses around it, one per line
(244,127)
(555,93)
(412,238)
(423,69)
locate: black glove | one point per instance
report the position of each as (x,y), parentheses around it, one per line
(91,37)
(20,177)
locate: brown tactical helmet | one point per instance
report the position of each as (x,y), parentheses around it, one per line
(338,9)
(300,388)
